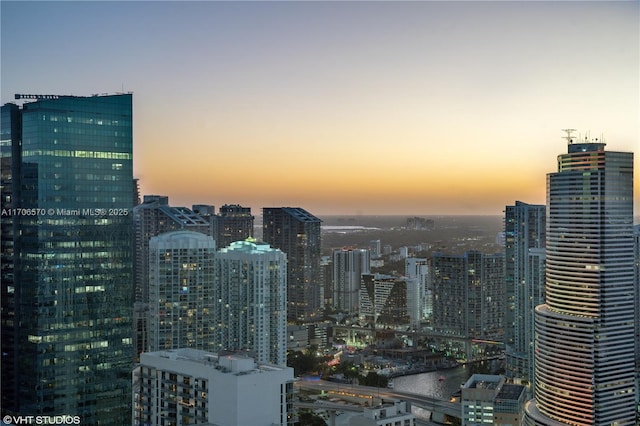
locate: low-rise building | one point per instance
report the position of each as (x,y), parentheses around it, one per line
(389,413)
(489,400)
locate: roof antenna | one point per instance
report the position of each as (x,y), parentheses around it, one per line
(568,137)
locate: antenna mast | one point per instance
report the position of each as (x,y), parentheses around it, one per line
(568,137)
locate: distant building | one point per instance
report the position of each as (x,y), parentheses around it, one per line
(375,246)
(297,233)
(233,223)
(250,295)
(585,332)
(419,224)
(419,269)
(525,237)
(487,399)
(348,266)
(189,387)
(383,299)
(468,299)
(181,285)
(389,413)
(326,280)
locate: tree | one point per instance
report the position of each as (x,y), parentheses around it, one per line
(309,418)
(374,379)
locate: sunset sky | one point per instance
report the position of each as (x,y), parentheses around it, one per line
(418,108)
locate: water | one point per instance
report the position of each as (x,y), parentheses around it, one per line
(429,384)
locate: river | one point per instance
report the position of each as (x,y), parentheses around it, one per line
(440,384)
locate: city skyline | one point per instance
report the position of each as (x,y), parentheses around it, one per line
(342,108)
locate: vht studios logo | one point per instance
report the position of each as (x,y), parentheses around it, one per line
(41,420)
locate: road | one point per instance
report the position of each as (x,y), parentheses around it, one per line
(425,402)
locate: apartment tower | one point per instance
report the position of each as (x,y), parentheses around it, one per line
(250,295)
(468,299)
(348,266)
(525,236)
(152,218)
(584,363)
(296,232)
(181,283)
(233,223)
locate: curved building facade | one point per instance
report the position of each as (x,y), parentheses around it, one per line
(181,283)
(584,360)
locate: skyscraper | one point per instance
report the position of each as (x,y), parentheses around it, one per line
(297,233)
(348,266)
(584,363)
(152,218)
(524,230)
(233,223)
(468,295)
(417,268)
(72,270)
(250,295)
(181,284)
(384,299)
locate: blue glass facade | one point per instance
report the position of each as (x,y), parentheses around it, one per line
(73,264)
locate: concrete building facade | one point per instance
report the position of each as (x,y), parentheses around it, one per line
(188,387)
(348,266)
(250,295)
(181,286)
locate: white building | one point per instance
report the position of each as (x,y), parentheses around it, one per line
(488,400)
(389,413)
(180,291)
(418,268)
(250,296)
(348,266)
(188,386)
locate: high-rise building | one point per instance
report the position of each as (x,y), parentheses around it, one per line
(417,268)
(326,280)
(181,284)
(71,162)
(233,223)
(384,299)
(636,234)
(188,387)
(584,362)
(348,266)
(297,233)
(152,218)
(468,298)
(524,231)
(250,295)
(9,157)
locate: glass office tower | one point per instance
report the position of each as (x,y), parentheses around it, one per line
(72,270)
(524,229)
(584,361)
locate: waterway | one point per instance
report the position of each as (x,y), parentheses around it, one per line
(439,384)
